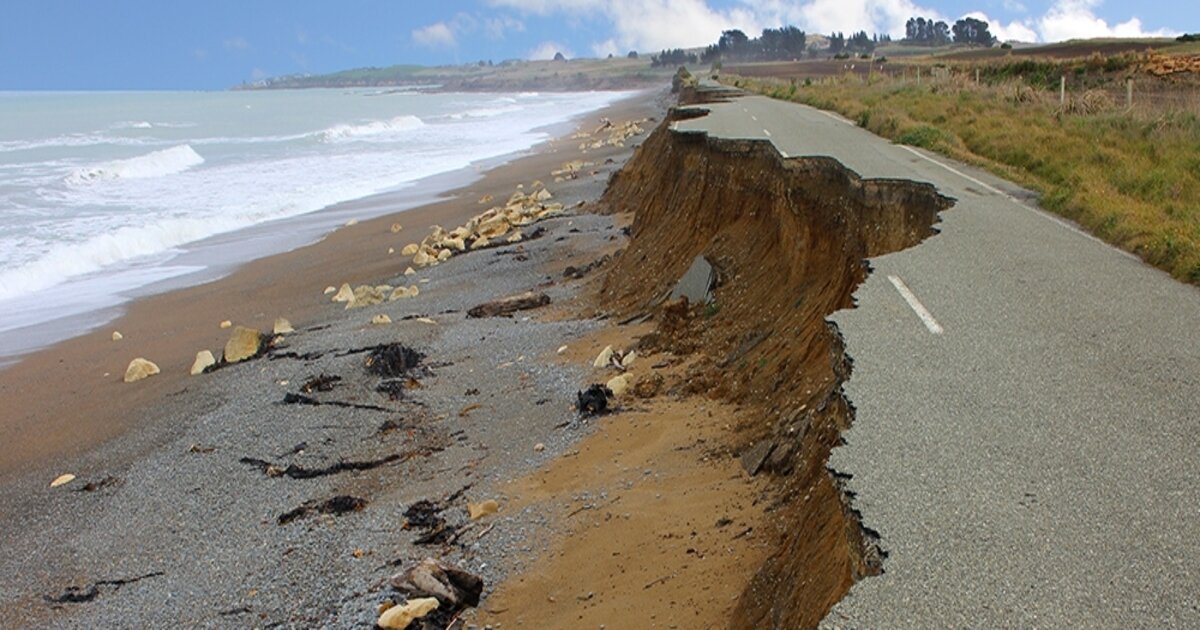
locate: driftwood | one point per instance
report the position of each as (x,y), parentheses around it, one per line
(507,306)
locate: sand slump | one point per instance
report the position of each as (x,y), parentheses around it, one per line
(789,239)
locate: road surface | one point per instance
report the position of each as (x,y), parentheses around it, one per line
(1028,408)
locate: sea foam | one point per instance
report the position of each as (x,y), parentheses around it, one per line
(367,130)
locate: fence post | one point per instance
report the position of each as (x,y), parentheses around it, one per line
(1062,91)
(1129,93)
(976,76)
(918,75)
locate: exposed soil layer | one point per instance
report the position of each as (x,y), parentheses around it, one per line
(788,240)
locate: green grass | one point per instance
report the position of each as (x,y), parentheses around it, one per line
(1131,178)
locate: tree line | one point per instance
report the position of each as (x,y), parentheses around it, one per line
(928,32)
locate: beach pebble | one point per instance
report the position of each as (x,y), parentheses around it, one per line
(330,289)
(226,324)
(391,250)
(62,480)
(139,369)
(410,271)
(539,447)
(410,250)
(628,359)
(204,358)
(400,617)
(381,319)
(116,336)
(401,293)
(561,349)
(396,227)
(426,320)
(282,326)
(484,508)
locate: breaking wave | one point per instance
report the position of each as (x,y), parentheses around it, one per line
(375,128)
(156,164)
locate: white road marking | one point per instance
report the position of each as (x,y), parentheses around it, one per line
(840,119)
(916,305)
(767,132)
(1037,211)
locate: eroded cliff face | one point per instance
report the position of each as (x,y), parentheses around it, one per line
(789,239)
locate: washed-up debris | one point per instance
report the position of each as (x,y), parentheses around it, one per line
(479,510)
(453,587)
(505,307)
(83,594)
(579,272)
(392,360)
(300,399)
(337,506)
(139,369)
(204,360)
(244,343)
(294,471)
(401,617)
(93,486)
(320,383)
(394,388)
(593,400)
(62,480)
(697,282)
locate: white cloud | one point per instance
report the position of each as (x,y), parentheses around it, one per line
(434,35)
(1015,31)
(547,50)
(498,27)
(1074,19)
(606,48)
(237,43)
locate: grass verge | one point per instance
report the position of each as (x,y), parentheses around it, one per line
(1132,178)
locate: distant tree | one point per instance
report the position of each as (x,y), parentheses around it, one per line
(676,57)
(559,57)
(860,42)
(837,43)
(632,54)
(972,31)
(731,41)
(1188,37)
(926,31)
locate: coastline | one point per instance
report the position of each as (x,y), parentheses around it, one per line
(67,398)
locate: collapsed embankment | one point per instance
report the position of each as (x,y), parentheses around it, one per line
(788,240)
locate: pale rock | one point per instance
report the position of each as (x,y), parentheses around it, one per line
(410,271)
(366,295)
(460,232)
(139,369)
(539,447)
(438,233)
(628,359)
(537,183)
(401,293)
(243,344)
(618,384)
(344,294)
(484,508)
(396,227)
(426,320)
(391,250)
(485,199)
(456,243)
(542,195)
(444,255)
(422,259)
(480,242)
(62,480)
(226,324)
(381,319)
(329,290)
(410,250)
(204,359)
(520,186)
(117,336)
(562,349)
(515,237)
(604,357)
(384,288)
(401,617)
(282,327)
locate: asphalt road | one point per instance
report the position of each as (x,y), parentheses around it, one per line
(1027,447)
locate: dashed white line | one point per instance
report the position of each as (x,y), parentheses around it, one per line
(1035,211)
(767,132)
(915,304)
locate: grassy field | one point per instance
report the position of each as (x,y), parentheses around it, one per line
(1130,176)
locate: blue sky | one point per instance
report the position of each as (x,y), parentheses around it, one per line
(163,44)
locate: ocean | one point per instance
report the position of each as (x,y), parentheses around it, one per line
(108,196)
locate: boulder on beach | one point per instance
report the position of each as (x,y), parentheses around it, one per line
(396,227)
(410,250)
(329,290)
(618,384)
(402,616)
(344,294)
(204,359)
(410,271)
(381,319)
(401,293)
(282,326)
(139,369)
(226,324)
(604,357)
(366,295)
(244,343)
(424,259)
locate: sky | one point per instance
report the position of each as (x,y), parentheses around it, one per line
(216,44)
